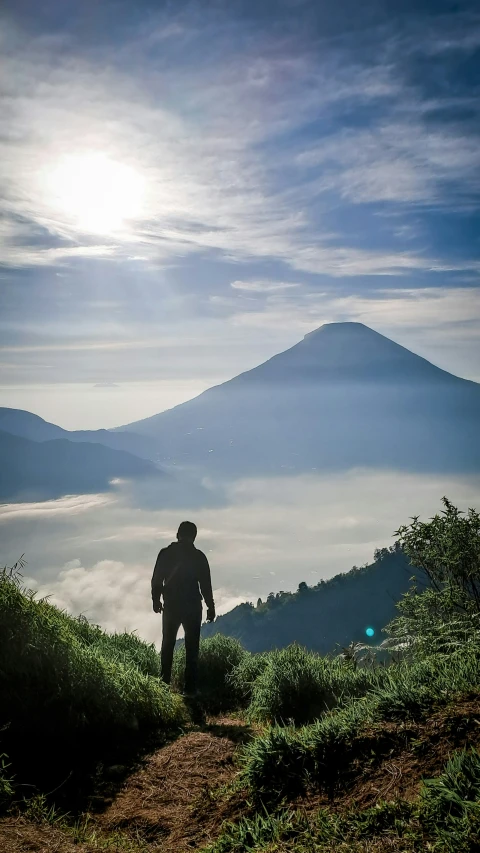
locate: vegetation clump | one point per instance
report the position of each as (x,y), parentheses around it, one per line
(69,686)
(218,658)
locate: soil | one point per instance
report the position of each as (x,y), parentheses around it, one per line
(411,752)
(175,800)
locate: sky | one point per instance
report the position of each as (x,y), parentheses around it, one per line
(187,188)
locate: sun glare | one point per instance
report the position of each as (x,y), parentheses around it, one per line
(98,193)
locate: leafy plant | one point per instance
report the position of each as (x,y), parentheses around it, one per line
(447,549)
(218,658)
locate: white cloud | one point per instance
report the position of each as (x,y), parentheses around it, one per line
(263,286)
(70,505)
(403,161)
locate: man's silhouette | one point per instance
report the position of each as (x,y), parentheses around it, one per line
(182,576)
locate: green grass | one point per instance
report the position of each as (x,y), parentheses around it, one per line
(297,686)
(66,682)
(445,819)
(285,761)
(218,658)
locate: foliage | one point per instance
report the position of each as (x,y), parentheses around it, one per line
(64,681)
(283,761)
(244,675)
(218,657)
(446,818)
(450,804)
(434,621)
(447,549)
(299,686)
(6,787)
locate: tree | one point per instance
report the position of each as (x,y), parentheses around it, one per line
(447,549)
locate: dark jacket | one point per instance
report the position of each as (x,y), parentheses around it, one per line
(182,576)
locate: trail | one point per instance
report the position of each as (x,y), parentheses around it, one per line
(175,801)
(170,802)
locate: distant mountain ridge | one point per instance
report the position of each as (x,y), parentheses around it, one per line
(27,425)
(334,612)
(344,396)
(33,470)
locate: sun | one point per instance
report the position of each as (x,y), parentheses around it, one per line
(95,192)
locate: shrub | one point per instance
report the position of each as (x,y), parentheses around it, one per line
(244,675)
(447,549)
(450,804)
(286,761)
(298,686)
(121,648)
(434,621)
(218,657)
(64,681)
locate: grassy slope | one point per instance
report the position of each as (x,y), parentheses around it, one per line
(346,775)
(68,690)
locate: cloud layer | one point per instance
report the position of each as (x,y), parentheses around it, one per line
(97,558)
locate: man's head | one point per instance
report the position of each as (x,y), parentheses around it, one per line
(187,532)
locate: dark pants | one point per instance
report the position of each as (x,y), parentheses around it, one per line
(191,619)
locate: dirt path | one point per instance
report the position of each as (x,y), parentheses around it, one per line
(173,801)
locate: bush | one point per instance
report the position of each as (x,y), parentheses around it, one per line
(434,621)
(450,804)
(218,657)
(286,761)
(294,685)
(120,648)
(244,675)
(64,681)
(447,549)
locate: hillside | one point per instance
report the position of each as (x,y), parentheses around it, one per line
(27,425)
(333,613)
(345,396)
(32,470)
(287,751)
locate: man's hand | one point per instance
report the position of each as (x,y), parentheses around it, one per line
(211,614)
(157,607)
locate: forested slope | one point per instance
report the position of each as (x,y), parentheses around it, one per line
(337,611)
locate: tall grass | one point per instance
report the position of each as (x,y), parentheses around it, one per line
(66,683)
(284,761)
(297,686)
(218,658)
(446,819)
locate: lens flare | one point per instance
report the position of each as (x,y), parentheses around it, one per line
(370,632)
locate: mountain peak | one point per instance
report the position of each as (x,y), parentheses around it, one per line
(348,327)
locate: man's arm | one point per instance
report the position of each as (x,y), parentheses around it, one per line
(158,579)
(205,581)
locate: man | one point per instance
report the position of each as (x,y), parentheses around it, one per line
(182,576)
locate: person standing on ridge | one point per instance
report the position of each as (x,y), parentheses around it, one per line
(182,576)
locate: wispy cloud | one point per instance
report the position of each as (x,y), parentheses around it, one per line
(205,156)
(263,286)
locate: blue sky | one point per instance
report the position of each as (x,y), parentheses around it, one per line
(187,188)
